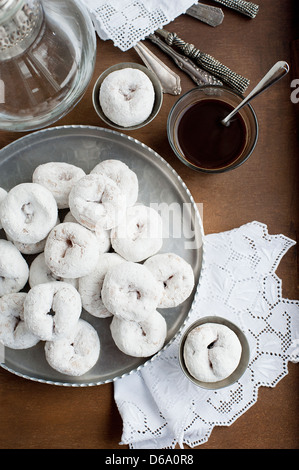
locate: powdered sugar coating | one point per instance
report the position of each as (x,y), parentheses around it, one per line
(139,235)
(122,175)
(127,97)
(130,291)
(14,270)
(77,354)
(30,248)
(28,213)
(103,236)
(59,178)
(212,352)
(90,286)
(14,333)
(71,250)
(175,276)
(52,310)
(139,339)
(95,200)
(40,273)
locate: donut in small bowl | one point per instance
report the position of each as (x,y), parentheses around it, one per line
(129,99)
(214,352)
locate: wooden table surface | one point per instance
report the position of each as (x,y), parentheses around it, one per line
(265,188)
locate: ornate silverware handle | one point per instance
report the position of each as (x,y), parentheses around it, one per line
(247,8)
(206,61)
(213,16)
(198,75)
(170,81)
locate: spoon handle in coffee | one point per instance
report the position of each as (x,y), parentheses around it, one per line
(276,72)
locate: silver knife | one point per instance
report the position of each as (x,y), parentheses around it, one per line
(213,16)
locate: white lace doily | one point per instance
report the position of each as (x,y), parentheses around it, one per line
(159,406)
(126,22)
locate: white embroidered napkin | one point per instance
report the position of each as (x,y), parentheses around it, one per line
(126,22)
(159,406)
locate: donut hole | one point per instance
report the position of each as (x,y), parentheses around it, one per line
(165,283)
(133,292)
(212,344)
(28,212)
(139,228)
(51,313)
(128,93)
(65,176)
(18,320)
(99,196)
(143,333)
(69,244)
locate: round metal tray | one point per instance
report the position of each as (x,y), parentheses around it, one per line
(160,187)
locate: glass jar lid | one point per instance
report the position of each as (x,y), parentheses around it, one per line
(20,22)
(8,9)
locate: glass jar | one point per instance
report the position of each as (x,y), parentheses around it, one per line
(47,57)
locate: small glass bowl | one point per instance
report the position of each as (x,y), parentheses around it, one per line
(157,88)
(237,373)
(215,92)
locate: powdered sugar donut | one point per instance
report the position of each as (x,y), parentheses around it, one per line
(13,331)
(3,193)
(40,273)
(139,235)
(90,286)
(71,250)
(130,291)
(28,213)
(212,352)
(139,339)
(127,97)
(77,354)
(122,175)
(52,310)
(95,200)
(30,248)
(14,270)
(58,177)
(103,236)
(175,276)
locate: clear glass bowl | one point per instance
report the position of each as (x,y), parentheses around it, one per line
(47,57)
(210,93)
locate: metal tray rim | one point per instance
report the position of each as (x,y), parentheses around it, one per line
(30,136)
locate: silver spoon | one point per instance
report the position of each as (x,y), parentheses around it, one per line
(278,70)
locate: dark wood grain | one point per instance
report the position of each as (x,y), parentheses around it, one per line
(34,415)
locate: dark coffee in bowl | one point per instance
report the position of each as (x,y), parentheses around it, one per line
(204,141)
